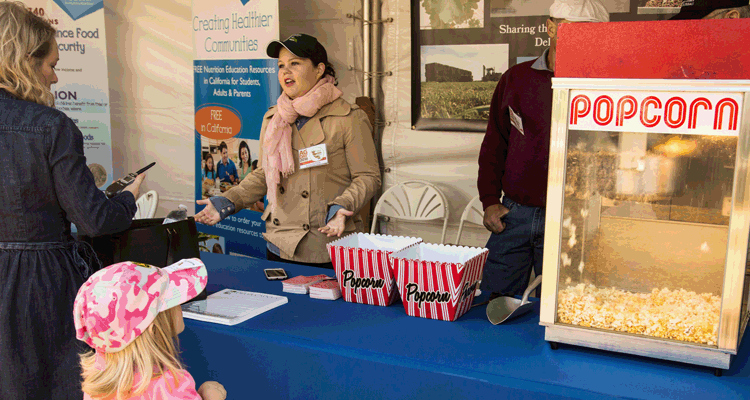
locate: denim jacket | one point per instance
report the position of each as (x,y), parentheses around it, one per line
(46,182)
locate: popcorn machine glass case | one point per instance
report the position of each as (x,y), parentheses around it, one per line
(648,215)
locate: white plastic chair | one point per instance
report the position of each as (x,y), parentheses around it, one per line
(473,213)
(413,201)
(146,205)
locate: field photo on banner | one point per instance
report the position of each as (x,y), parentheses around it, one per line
(458,80)
(463,48)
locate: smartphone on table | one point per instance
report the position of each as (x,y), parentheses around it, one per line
(275,274)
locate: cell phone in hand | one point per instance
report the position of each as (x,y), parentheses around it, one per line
(119,185)
(275,274)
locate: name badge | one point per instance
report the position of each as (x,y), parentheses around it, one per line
(516,121)
(313,156)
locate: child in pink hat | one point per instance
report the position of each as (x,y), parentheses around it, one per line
(130,314)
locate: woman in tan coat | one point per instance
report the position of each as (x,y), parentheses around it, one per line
(318,164)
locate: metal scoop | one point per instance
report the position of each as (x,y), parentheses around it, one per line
(502,308)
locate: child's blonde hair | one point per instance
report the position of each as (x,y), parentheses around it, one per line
(154,353)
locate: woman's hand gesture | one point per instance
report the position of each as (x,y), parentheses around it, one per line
(209,215)
(335,227)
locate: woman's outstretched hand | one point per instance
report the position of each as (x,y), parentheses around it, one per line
(209,215)
(335,227)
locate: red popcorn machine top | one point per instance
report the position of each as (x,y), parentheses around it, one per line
(648,205)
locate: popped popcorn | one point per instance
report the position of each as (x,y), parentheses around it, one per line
(670,314)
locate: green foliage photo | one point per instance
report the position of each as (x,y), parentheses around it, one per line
(456,100)
(449,14)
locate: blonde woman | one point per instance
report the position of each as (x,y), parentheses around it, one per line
(46,186)
(130,314)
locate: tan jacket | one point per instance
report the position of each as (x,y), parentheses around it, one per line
(350,179)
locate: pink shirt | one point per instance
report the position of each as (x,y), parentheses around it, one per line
(183,389)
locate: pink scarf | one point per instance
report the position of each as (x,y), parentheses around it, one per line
(277,145)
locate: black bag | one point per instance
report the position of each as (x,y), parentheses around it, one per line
(148,241)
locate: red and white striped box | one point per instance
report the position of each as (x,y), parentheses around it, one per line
(438,281)
(362,269)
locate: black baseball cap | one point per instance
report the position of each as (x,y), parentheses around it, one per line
(301,45)
(697,9)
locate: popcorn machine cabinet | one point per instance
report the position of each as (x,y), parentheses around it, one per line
(648,207)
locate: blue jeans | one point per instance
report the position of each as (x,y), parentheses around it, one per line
(515,250)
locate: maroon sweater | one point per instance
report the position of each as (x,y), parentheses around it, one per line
(510,161)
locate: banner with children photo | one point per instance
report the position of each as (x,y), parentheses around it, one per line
(235,84)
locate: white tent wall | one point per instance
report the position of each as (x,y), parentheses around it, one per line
(341,36)
(149,47)
(149,56)
(446,159)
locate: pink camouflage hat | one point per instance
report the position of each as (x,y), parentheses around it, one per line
(119,302)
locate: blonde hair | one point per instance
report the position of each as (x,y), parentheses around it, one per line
(152,354)
(25,40)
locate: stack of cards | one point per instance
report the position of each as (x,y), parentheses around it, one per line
(301,284)
(326,290)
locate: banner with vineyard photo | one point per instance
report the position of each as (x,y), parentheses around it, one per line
(463,47)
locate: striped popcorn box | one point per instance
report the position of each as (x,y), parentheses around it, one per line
(438,281)
(362,266)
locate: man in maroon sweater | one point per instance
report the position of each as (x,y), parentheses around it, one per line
(514,157)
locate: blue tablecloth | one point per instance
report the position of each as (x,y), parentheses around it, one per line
(318,349)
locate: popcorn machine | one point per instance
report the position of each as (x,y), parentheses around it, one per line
(648,207)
